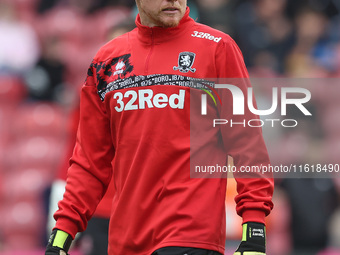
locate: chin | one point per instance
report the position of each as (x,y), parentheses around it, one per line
(170,23)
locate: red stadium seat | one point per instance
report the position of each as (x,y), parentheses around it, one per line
(39,151)
(63,22)
(12,90)
(26,183)
(39,119)
(23,225)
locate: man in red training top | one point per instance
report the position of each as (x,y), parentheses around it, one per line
(135,126)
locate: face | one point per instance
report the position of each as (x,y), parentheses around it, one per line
(162,13)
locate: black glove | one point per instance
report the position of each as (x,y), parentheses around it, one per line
(253,239)
(59,243)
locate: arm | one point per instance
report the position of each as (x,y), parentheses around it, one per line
(58,185)
(244,144)
(90,168)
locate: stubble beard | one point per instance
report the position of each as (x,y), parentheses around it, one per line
(168,21)
(170,24)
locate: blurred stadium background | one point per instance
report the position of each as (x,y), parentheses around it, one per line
(46,47)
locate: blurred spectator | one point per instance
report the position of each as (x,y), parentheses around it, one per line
(217,14)
(328,7)
(311,32)
(312,202)
(90,6)
(79,45)
(334,233)
(45,5)
(127,3)
(86,6)
(45,81)
(264,32)
(19,47)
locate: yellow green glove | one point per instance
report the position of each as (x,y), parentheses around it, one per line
(253,239)
(59,243)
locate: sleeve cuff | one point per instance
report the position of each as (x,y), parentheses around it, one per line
(254,216)
(67,226)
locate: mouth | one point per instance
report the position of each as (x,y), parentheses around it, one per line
(170,10)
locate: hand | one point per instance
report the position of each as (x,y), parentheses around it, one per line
(253,239)
(59,243)
(52,250)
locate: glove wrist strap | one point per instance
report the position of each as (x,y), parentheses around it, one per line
(253,239)
(60,239)
(254,231)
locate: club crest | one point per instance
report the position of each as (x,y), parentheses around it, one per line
(185,62)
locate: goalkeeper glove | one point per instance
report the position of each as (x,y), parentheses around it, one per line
(59,243)
(253,239)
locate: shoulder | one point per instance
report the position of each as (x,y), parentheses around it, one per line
(208,33)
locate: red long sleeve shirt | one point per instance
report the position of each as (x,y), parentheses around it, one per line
(103,209)
(135,125)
